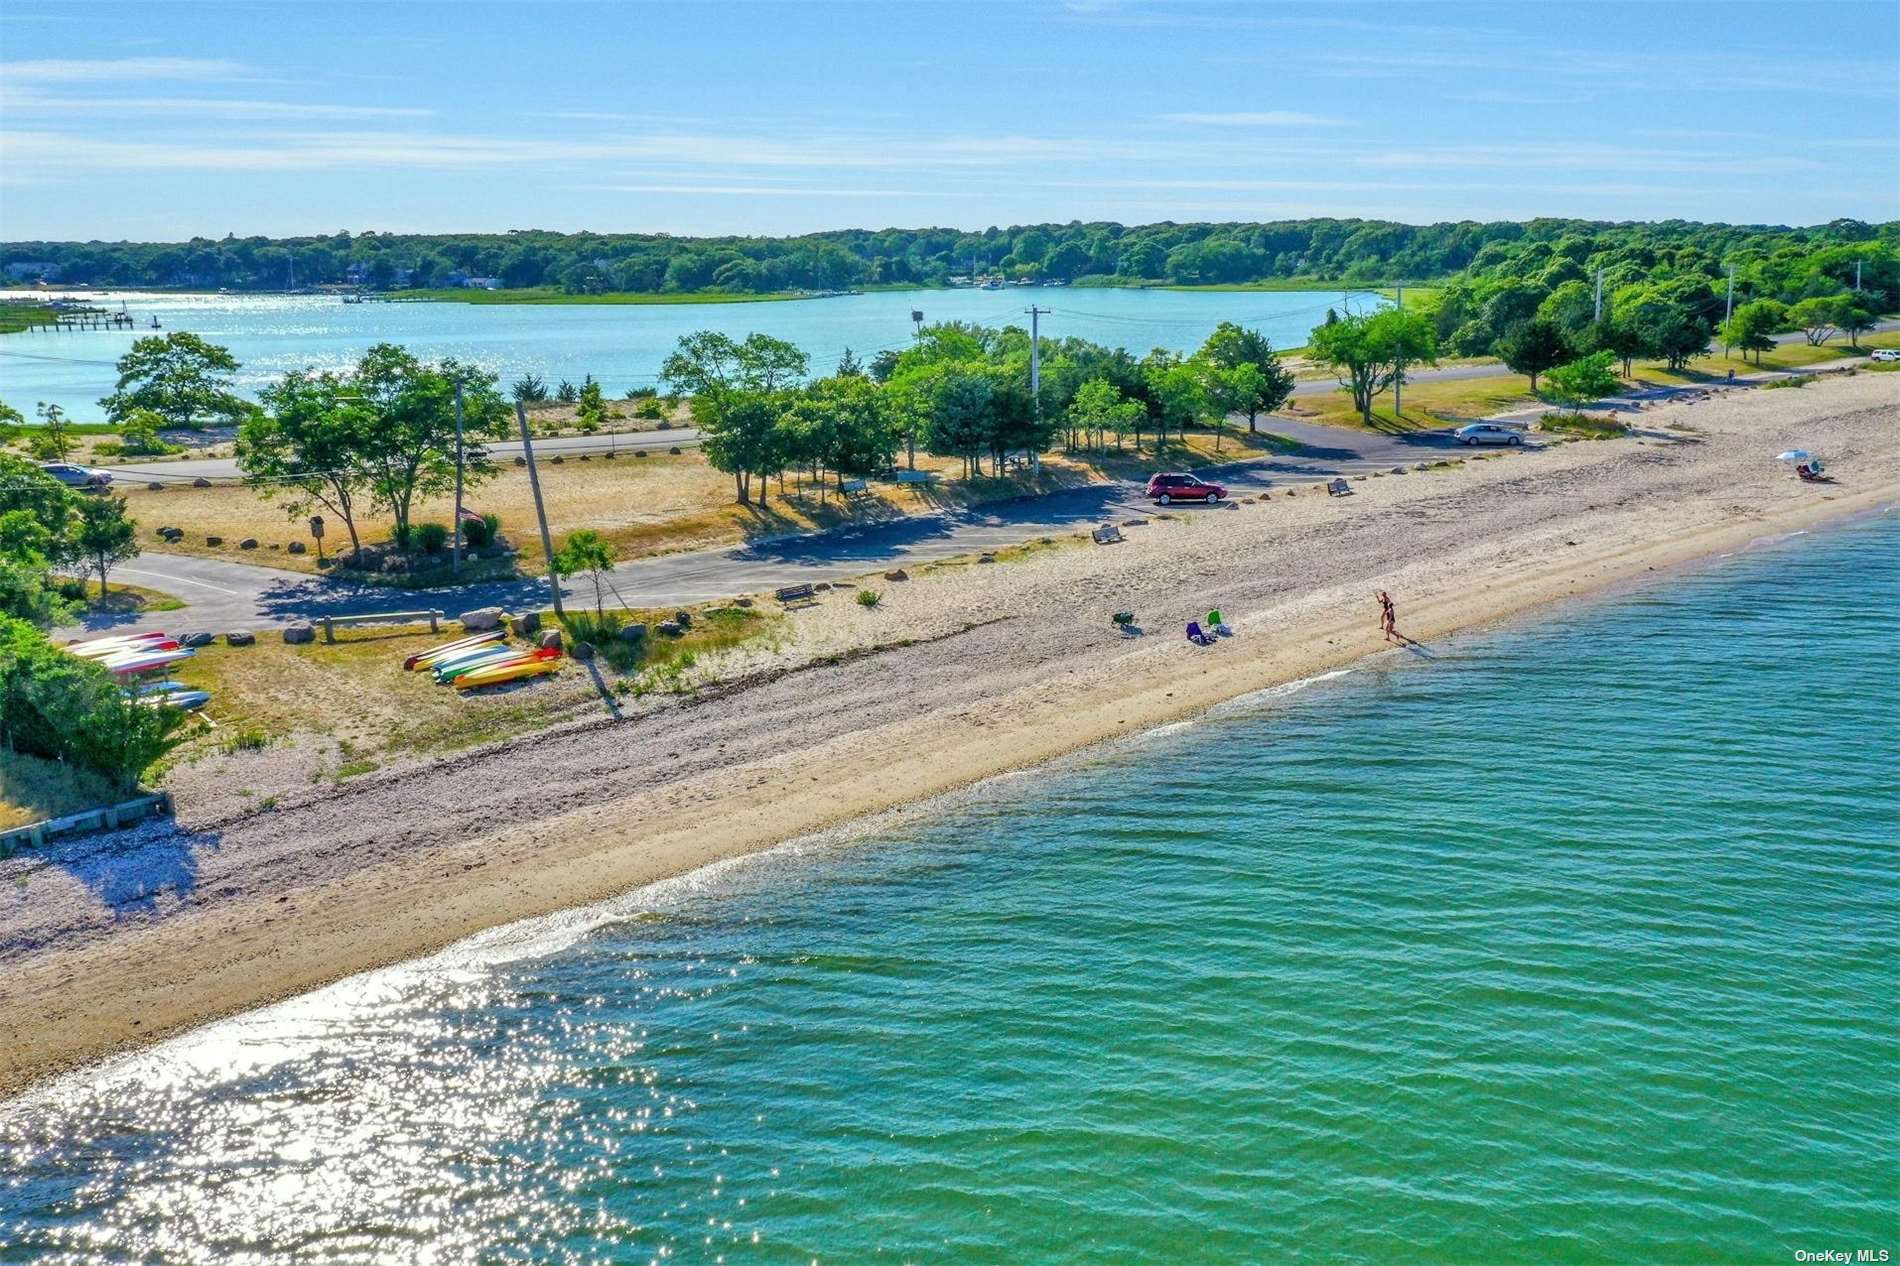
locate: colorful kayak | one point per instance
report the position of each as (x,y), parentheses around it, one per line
(135,664)
(424,659)
(451,668)
(189,700)
(468,653)
(137,652)
(100,648)
(537,665)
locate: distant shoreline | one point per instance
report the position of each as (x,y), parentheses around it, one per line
(544,295)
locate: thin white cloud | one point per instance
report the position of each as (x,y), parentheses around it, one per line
(762,191)
(224,109)
(1255,118)
(118,69)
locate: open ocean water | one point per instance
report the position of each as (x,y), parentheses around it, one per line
(1578,941)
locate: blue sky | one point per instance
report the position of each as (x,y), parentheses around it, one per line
(163,120)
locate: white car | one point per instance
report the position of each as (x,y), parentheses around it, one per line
(1887,353)
(1488,433)
(82,477)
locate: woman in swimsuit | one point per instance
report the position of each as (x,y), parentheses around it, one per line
(1388,618)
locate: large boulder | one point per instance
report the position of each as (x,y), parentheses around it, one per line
(550,640)
(196,639)
(201,482)
(240,637)
(581,651)
(635,632)
(249,542)
(897,573)
(683,618)
(298,634)
(482,619)
(671,628)
(214,540)
(525,624)
(298,547)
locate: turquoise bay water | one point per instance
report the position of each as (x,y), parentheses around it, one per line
(1575,942)
(620,344)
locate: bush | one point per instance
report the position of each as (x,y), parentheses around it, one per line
(431,537)
(481,533)
(649,408)
(66,708)
(869,597)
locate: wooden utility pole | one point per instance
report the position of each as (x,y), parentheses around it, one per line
(540,510)
(455,562)
(1398,379)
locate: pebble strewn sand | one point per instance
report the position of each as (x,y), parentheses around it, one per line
(961,673)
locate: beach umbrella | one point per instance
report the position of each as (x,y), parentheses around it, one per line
(1794,455)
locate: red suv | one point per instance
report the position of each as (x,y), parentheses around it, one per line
(1166,489)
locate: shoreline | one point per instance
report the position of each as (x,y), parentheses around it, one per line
(152,977)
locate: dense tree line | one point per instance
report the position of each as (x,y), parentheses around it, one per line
(1539,253)
(960,391)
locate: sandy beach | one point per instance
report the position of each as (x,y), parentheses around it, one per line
(959,674)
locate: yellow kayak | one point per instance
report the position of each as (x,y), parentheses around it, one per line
(514,670)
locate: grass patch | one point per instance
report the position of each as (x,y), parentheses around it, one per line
(33,789)
(1429,404)
(659,659)
(130,600)
(20,315)
(1582,426)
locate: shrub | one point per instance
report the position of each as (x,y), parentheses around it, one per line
(431,537)
(65,708)
(869,598)
(649,408)
(1798,380)
(481,533)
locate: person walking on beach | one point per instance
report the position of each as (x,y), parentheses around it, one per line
(1388,618)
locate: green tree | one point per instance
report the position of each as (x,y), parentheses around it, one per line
(1177,394)
(410,445)
(1368,352)
(845,424)
(66,708)
(586,550)
(104,536)
(1857,316)
(1622,338)
(52,442)
(1099,407)
(1578,382)
(1672,332)
(734,386)
(1230,347)
(1532,347)
(1753,327)
(11,420)
(1819,317)
(310,445)
(178,376)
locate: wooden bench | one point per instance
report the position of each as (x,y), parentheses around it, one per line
(1107,534)
(1339,488)
(791,594)
(917,476)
